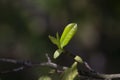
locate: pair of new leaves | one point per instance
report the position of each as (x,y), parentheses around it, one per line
(61,42)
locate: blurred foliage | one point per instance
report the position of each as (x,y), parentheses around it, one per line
(70,73)
(45,78)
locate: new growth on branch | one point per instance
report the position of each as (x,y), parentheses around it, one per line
(79,68)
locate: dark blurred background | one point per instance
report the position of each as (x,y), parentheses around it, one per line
(26,24)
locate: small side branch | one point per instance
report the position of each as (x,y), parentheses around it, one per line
(49,63)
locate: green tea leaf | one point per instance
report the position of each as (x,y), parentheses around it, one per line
(70,73)
(67,34)
(54,40)
(57,53)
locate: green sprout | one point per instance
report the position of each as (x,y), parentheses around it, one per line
(61,42)
(65,38)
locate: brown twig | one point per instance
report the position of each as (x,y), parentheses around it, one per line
(49,63)
(25,64)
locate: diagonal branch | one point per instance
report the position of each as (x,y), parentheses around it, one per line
(109,76)
(95,75)
(100,76)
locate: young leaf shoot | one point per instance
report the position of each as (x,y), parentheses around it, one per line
(67,34)
(65,38)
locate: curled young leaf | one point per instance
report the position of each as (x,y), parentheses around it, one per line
(78,59)
(57,53)
(67,34)
(57,36)
(54,40)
